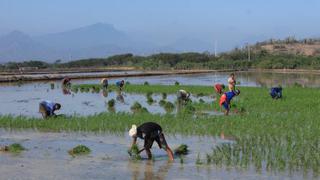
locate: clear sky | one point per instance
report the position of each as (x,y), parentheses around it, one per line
(225,21)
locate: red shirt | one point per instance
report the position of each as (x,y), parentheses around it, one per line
(218,88)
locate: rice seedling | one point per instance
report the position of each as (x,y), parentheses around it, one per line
(13,148)
(162,102)
(134,152)
(52,85)
(169,107)
(79,150)
(146,83)
(201,101)
(176,83)
(198,160)
(137,108)
(181,150)
(164,95)
(111,103)
(150,100)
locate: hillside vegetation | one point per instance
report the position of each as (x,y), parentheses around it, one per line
(272,54)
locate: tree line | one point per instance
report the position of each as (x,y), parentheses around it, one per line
(235,59)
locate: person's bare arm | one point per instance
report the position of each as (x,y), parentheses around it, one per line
(134,141)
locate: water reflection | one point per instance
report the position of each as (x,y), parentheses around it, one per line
(148,170)
(120,97)
(105,92)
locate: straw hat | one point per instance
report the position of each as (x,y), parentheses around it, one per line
(133,130)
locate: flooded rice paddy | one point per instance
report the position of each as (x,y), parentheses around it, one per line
(46,157)
(23,99)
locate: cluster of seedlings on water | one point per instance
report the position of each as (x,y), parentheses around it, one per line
(13,148)
(150,100)
(79,150)
(146,83)
(52,86)
(111,105)
(181,150)
(138,108)
(167,105)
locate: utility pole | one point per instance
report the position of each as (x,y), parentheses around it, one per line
(215,48)
(249,57)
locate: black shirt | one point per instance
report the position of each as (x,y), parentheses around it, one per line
(148,130)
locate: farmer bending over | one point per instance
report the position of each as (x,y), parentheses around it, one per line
(47,108)
(120,84)
(150,132)
(183,95)
(104,83)
(226,98)
(66,81)
(219,88)
(276,92)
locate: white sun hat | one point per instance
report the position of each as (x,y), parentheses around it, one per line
(133,130)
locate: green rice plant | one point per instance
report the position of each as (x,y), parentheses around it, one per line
(137,108)
(128,83)
(162,102)
(181,159)
(169,107)
(201,101)
(176,83)
(200,94)
(149,94)
(146,83)
(164,95)
(111,103)
(52,85)
(75,89)
(189,109)
(95,89)
(13,148)
(150,100)
(181,150)
(198,160)
(134,152)
(79,150)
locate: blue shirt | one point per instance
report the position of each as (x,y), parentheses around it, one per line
(119,83)
(49,106)
(230,95)
(276,92)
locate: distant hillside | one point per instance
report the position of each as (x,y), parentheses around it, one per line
(98,40)
(307,47)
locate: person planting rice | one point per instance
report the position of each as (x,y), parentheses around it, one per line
(120,84)
(232,82)
(66,81)
(104,83)
(219,88)
(226,98)
(47,108)
(276,92)
(150,132)
(183,95)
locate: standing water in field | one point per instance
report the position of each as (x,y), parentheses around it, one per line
(47,157)
(25,99)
